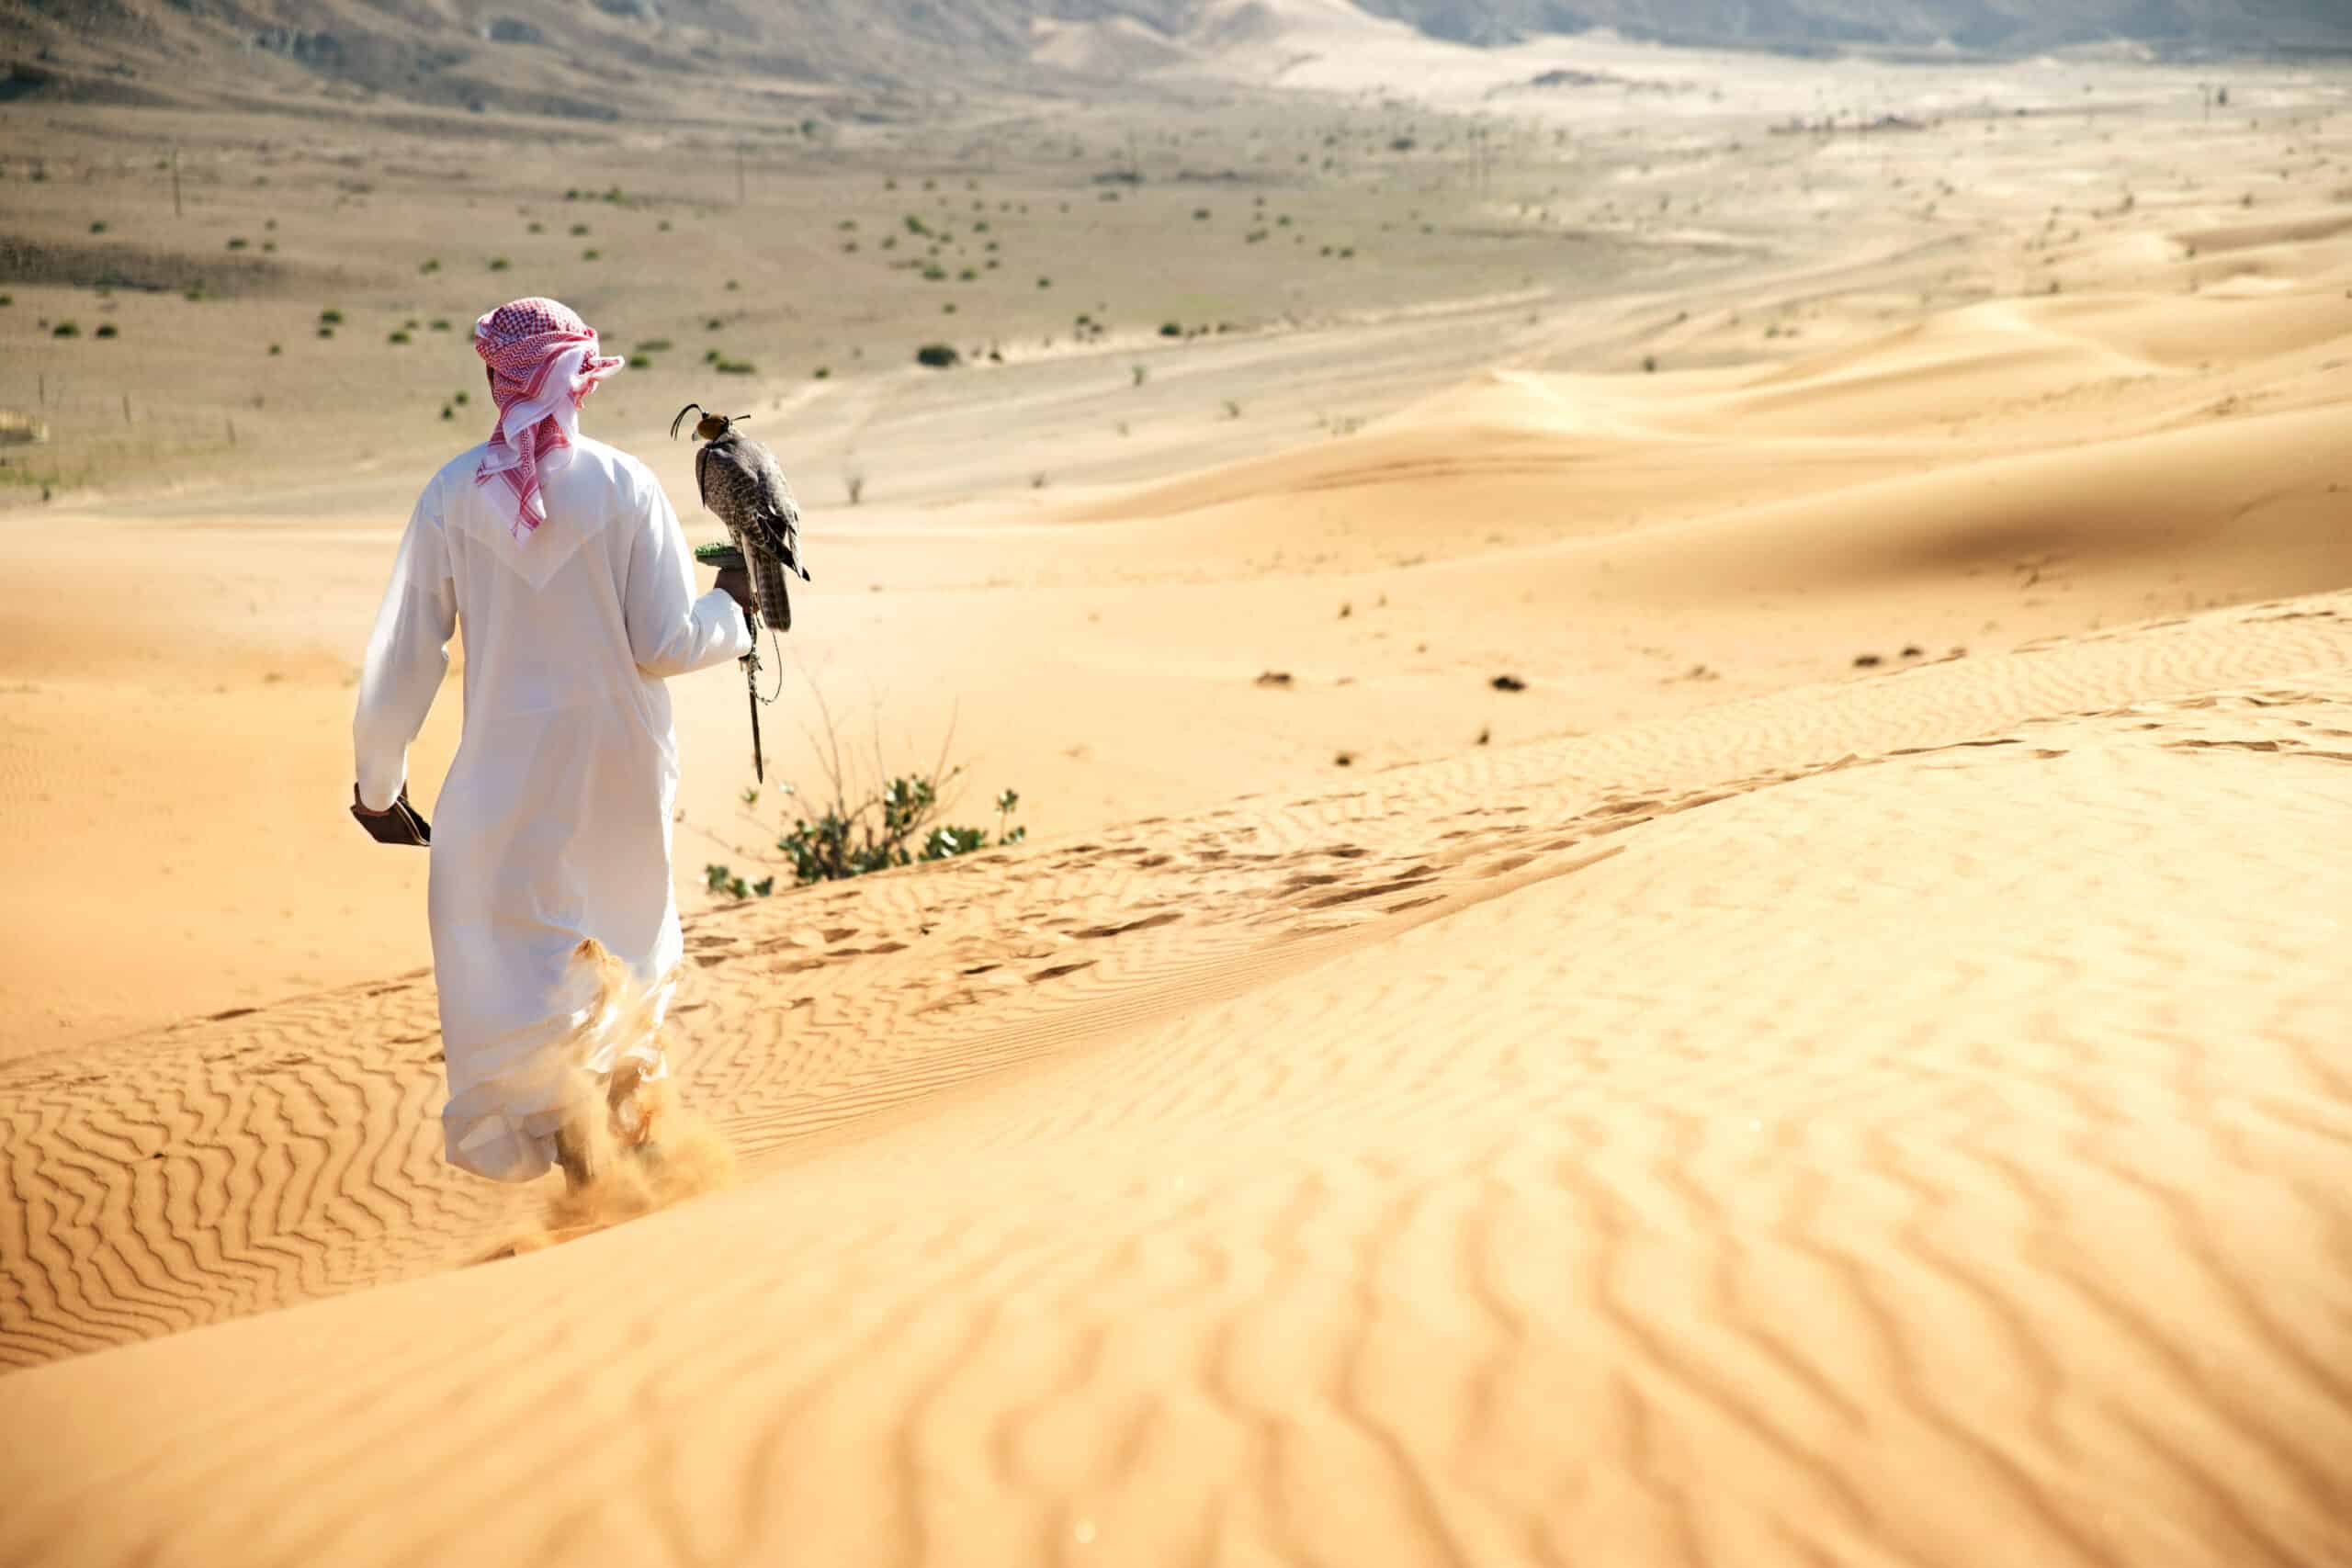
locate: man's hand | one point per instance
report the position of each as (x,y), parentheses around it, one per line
(736,584)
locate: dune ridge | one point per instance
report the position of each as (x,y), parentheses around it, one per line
(1662,1137)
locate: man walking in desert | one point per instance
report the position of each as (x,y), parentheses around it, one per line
(567,568)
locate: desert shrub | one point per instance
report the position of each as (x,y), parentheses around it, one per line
(99,228)
(654,345)
(577,229)
(397,336)
(1172,329)
(65,329)
(105,329)
(736,367)
(499,264)
(430,265)
(825,373)
(896,825)
(938,357)
(236,243)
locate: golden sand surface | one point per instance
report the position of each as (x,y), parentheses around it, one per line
(1848,1065)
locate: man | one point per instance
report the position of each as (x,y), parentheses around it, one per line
(566,566)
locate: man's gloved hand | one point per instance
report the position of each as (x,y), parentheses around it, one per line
(736,584)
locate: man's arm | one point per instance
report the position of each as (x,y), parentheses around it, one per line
(672,632)
(407,657)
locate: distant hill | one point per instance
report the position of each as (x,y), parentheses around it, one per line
(2003,26)
(776,58)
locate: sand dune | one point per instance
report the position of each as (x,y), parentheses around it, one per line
(1838,1060)
(1848,1125)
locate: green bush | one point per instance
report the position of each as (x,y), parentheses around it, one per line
(895,826)
(938,357)
(105,329)
(65,329)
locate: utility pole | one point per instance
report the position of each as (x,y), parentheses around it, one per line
(175,179)
(738,174)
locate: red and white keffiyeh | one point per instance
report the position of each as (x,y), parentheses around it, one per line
(543,364)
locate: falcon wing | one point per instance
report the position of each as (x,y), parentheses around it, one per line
(779,514)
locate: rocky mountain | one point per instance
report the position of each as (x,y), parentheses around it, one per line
(607,59)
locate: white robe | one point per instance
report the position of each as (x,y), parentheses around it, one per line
(554,823)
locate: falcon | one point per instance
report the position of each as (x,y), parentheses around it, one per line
(742,482)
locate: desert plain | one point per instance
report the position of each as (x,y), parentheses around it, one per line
(1684,728)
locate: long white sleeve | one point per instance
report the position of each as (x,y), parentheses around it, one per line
(407,657)
(670,632)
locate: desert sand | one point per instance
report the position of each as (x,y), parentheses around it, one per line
(1848,1065)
